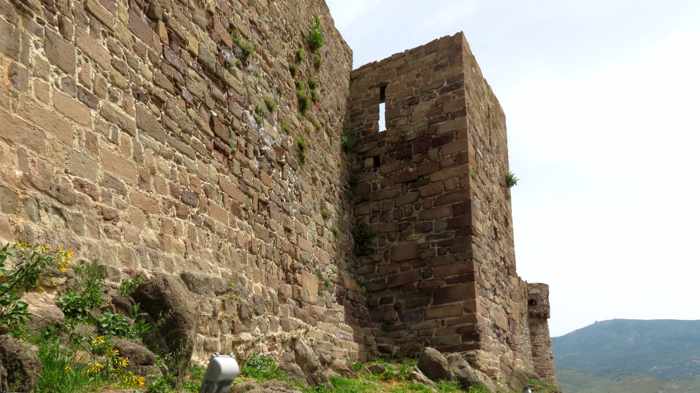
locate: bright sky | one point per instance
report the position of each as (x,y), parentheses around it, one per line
(602,99)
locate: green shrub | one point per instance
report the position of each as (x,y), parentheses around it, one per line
(259,114)
(348,141)
(271,104)
(315,38)
(129,285)
(317,61)
(363,237)
(28,264)
(303,97)
(262,368)
(301,149)
(86,294)
(511,180)
(247,47)
(299,56)
(111,324)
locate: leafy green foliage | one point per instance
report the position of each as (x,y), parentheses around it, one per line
(316,38)
(363,237)
(259,114)
(247,48)
(348,141)
(270,104)
(129,285)
(303,97)
(60,373)
(301,149)
(111,324)
(86,295)
(28,262)
(317,61)
(299,55)
(511,180)
(118,325)
(262,368)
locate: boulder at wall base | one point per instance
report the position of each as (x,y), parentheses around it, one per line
(166,301)
(309,362)
(141,360)
(434,364)
(462,371)
(20,366)
(43,312)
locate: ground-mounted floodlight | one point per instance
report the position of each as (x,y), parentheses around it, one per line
(221,372)
(527,389)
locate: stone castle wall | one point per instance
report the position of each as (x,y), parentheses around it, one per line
(432,189)
(538,311)
(138,134)
(412,191)
(167,136)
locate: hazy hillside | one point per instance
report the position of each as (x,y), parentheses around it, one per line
(622,356)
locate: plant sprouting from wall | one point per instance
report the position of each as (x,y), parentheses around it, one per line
(348,141)
(363,237)
(303,97)
(247,48)
(315,38)
(271,104)
(299,55)
(301,149)
(511,180)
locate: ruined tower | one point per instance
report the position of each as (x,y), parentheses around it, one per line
(431,191)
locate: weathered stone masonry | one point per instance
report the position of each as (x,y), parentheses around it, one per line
(130,134)
(144,134)
(432,189)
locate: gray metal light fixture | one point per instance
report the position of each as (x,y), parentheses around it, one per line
(221,372)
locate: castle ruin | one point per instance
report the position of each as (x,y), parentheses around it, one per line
(149,136)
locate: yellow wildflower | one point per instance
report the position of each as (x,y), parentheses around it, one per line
(95,368)
(123,362)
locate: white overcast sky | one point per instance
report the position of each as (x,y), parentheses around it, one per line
(602,99)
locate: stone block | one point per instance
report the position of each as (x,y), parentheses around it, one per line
(72,108)
(47,119)
(100,12)
(114,114)
(454,293)
(60,52)
(9,40)
(404,251)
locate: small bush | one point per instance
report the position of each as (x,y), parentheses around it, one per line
(247,48)
(111,324)
(262,368)
(348,141)
(301,149)
(271,104)
(300,55)
(363,237)
(29,262)
(511,180)
(316,39)
(86,295)
(303,98)
(317,61)
(129,285)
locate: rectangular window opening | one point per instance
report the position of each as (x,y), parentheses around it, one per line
(382,108)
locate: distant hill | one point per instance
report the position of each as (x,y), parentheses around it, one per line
(630,356)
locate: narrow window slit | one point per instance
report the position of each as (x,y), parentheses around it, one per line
(382,108)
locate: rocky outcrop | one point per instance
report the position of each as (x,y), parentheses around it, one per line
(43,312)
(19,366)
(434,365)
(167,302)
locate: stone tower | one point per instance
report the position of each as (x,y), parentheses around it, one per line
(431,189)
